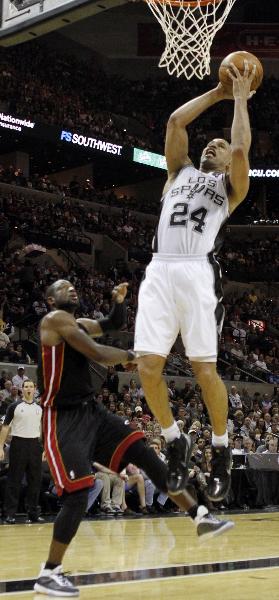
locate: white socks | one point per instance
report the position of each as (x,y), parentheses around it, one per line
(171,433)
(220,440)
(202,512)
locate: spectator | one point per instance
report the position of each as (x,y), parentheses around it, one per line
(234,398)
(4,338)
(112,492)
(19,379)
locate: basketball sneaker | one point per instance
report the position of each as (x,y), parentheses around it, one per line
(54,583)
(178,456)
(209,526)
(220,477)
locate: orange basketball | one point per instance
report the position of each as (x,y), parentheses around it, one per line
(237,58)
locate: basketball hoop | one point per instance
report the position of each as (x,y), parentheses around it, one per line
(189,27)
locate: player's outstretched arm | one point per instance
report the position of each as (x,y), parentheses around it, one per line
(176,144)
(240,135)
(114,320)
(64,326)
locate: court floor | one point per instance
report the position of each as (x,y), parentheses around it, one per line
(148,558)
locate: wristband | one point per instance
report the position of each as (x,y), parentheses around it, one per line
(115,319)
(131,355)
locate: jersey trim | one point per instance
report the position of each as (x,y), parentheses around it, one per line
(52,366)
(55,461)
(218,289)
(122,447)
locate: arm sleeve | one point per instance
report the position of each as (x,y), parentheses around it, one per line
(10,413)
(115,319)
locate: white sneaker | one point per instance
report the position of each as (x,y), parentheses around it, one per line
(209,526)
(54,583)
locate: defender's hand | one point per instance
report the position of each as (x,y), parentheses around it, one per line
(119,292)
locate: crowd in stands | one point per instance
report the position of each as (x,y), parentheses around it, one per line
(69,221)
(73,94)
(248,258)
(250,334)
(22,283)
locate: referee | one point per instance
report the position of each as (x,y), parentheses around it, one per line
(25,455)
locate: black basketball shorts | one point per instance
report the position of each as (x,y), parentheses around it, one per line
(76,437)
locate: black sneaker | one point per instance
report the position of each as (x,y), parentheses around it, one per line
(209,526)
(178,456)
(220,477)
(34,519)
(9,520)
(54,583)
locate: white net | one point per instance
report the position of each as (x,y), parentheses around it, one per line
(189,29)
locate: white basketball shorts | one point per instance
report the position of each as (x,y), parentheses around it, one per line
(180,294)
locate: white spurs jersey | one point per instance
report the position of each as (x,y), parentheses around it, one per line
(192,213)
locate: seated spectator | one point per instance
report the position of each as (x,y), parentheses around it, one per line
(246,427)
(4,338)
(14,394)
(248,446)
(260,363)
(3,404)
(205,464)
(272,446)
(234,398)
(137,481)
(113,490)
(237,447)
(19,379)
(7,388)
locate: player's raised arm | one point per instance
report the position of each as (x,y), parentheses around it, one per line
(176,144)
(114,320)
(240,135)
(65,327)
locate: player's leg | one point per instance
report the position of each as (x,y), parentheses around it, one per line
(51,579)
(118,445)
(201,321)
(150,368)
(156,330)
(146,459)
(68,438)
(216,399)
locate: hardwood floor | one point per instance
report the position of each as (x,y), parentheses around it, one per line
(158,558)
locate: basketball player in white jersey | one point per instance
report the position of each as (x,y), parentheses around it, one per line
(182,289)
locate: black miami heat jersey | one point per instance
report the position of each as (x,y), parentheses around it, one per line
(193,211)
(64,377)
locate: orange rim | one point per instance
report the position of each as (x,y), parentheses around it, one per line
(192,3)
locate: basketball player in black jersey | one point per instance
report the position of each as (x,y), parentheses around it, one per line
(77,430)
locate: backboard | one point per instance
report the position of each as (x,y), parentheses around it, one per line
(23,20)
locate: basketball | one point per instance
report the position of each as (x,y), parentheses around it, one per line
(238,58)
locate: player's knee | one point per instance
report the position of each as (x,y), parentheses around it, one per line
(70,516)
(205,372)
(150,369)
